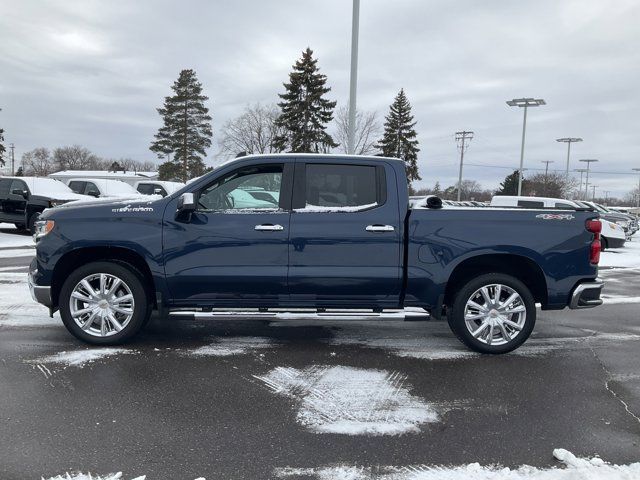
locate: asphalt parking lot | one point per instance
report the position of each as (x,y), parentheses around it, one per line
(266,399)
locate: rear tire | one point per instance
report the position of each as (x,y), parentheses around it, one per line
(493,313)
(31,223)
(20,226)
(604,244)
(104,303)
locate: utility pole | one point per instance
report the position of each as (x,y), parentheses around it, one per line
(638,170)
(568,141)
(606,197)
(546,173)
(524,103)
(461,140)
(13,169)
(353,79)
(593,197)
(581,170)
(588,161)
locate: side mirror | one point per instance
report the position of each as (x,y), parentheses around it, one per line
(18,191)
(94,194)
(157,191)
(186,203)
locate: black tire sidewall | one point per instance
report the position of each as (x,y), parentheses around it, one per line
(130,277)
(456,314)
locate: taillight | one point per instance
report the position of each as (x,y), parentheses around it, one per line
(594,253)
(595,227)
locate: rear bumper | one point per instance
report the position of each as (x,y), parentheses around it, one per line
(587,295)
(41,294)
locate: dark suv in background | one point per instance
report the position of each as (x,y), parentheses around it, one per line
(22,199)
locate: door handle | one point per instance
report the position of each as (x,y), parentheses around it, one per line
(380,228)
(267,227)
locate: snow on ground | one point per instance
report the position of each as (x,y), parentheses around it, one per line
(625,257)
(89,476)
(9,237)
(17,308)
(80,358)
(227,346)
(351,401)
(18,252)
(573,469)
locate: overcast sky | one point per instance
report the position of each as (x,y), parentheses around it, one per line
(93,73)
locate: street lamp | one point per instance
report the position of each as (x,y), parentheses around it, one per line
(353,78)
(588,161)
(568,141)
(593,197)
(638,170)
(524,103)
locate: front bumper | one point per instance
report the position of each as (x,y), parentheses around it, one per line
(41,294)
(587,295)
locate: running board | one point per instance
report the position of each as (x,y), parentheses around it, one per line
(364,315)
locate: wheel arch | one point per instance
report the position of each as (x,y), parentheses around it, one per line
(518,266)
(73,259)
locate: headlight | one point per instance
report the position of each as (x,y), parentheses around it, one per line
(622,223)
(55,203)
(42,228)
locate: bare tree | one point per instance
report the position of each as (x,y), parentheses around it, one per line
(252,132)
(74,157)
(368,130)
(38,162)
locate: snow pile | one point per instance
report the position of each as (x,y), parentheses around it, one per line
(17,308)
(625,257)
(351,401)
(80,358)
(228,346)
(576,469)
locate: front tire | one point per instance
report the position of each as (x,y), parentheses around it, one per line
(493,313)
(104,303)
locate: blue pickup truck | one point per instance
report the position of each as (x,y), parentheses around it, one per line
(315,232)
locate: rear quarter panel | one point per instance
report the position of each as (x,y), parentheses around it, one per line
(440,240)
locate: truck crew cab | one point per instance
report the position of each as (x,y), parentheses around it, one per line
(341,235)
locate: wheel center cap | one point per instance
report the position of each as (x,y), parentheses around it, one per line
(493,313)
(103,304)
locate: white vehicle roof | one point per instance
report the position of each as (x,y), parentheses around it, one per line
(48,187)
(110,188)
(512,201)
(103,174)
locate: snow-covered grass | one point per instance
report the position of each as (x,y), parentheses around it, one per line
(80,358)
(574,468)
(351,401)
(625,257)
(227,346)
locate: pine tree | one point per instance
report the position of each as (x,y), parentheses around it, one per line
(305,112)
(186,132)
(437,189)
(399,138)
(2,149)
(509,185)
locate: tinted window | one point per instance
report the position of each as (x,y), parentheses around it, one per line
(77,187)
(340,185)
(91,189)
(530,204)
(233,191)
(146,188)
(565,206)
(18,185)
(5,184)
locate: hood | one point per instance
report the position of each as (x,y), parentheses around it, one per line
(88,201)
(65,196)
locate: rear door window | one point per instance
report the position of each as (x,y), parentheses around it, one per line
(146,188)
(330,186)
(91,189)
(530,204)
(565,206)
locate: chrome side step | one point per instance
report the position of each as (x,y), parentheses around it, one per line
(277,314)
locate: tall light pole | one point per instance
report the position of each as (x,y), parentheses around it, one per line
(606,197)
(568,141)
(524,103)
(353,79)
(593,197)
(581,170)
(462,137)
(546,173)
(588,161)
(638,170)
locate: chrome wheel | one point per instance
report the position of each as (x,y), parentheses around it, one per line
(495,314)
(101,304)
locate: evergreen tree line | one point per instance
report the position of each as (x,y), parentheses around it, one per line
(298,123)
